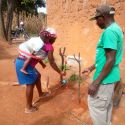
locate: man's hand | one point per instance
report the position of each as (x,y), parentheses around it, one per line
(93,88)
(86,71)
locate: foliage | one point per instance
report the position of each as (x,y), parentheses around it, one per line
(75,77)
(40,3)
(65,67)
(25,7)
(46,60)
(4,5)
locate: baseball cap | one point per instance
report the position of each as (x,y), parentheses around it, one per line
(103,10)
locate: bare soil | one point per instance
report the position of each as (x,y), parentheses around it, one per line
(62,108)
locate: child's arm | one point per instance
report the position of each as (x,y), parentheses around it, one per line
(26,63)
(42,64)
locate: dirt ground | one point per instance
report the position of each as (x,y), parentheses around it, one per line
(62,108)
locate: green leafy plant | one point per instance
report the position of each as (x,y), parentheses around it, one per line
(65,67)
(75,77)
(46,60)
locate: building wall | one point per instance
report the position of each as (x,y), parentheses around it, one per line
(71,20)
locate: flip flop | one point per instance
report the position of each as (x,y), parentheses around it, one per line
(33,109)
(44,95)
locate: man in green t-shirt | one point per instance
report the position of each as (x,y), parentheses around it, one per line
(109,52)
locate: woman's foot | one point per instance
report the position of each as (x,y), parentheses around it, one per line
(30,110)
(43,95)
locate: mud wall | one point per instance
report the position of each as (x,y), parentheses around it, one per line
(71,20)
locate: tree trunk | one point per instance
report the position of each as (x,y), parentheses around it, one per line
(17,17)
(2,26)
(10,5)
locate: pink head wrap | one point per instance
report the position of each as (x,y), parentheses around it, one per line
(49,32)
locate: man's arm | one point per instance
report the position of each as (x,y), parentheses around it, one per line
(110,60)
(91,68)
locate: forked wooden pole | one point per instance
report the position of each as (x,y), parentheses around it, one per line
(78,60)
(62,54)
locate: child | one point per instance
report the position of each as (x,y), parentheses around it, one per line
(28,51)
(39,56)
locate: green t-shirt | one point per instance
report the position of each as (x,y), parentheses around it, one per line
(111,37)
